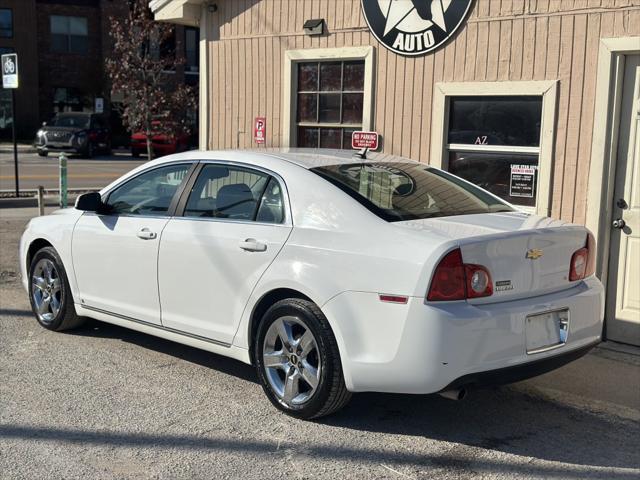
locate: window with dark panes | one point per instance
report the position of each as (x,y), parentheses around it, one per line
(494,142)
(69,34)
(329,103)
(191,53)
(6,23)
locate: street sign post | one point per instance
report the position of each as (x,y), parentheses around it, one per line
(9,65)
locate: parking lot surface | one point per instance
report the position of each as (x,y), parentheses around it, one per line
(105,402)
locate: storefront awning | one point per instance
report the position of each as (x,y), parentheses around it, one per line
(184,12)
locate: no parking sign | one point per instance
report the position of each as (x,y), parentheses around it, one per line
(260,130)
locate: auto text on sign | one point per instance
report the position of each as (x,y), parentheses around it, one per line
(364,140)
(260,130)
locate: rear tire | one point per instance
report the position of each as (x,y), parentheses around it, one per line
(49,292)
(303,376)
(43,154)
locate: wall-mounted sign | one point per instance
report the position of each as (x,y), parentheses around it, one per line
(99,105)
(414,27)
(523,181)
(260,130)
(364,140)
(9,70)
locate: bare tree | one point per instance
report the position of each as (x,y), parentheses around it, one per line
(138,70)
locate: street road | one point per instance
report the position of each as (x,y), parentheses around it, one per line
(82,173)
(104,402)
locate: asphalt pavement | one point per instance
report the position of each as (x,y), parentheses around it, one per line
(104,402)
(82,173)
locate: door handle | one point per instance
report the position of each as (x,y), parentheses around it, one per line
(252,245)
(618,223)
(146,234)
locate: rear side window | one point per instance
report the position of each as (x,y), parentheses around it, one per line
(397,191)
(235,193)
(149,193)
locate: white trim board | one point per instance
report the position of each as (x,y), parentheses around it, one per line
(292,57)
(547,89)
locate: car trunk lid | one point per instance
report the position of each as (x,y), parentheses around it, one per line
(526,255)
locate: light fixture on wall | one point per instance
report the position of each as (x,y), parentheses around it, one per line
(212,8)
(314,26)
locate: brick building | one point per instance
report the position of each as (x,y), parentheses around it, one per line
(62,65)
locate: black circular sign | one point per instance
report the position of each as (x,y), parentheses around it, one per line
(414,27)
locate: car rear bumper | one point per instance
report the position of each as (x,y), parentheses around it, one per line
(426,348)
(517,373)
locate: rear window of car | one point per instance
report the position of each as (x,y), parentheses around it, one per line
(398,191)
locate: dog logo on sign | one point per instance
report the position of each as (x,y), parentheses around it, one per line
(414,27)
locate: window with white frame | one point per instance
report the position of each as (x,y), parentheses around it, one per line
(327,96)
(494,142)
(329,103)
(499,135)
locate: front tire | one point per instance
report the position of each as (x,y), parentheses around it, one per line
(49,292)
(298,362)
(43,153)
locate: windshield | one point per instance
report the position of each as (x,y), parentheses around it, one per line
(407,191)
(78,121)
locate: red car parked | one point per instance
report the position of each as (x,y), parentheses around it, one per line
(163,144)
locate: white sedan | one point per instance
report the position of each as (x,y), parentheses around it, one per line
(329,273)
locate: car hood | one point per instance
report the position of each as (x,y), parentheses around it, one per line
(48,129)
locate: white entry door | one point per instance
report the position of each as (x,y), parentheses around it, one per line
(623,303)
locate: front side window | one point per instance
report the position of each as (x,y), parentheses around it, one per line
(235,193)
(494,142)
(149,193)
(69,34)
(6,23)
(397,191)
(329,103)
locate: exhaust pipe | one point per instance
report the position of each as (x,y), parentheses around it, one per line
(456,394)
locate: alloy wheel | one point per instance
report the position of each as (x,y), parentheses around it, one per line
(46,290)
(291,361)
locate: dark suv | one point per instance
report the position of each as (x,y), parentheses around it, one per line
(74,132)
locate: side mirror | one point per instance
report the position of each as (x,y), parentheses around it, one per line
(89,202)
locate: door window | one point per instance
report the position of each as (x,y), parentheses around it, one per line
(235,193)
(494,142)
(150,193)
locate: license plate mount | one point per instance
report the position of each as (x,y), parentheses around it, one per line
(546,330)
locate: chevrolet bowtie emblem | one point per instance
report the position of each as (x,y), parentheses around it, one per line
(534,253)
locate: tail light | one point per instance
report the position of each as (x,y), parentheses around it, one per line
(583,261)
(93,136)
(454,280)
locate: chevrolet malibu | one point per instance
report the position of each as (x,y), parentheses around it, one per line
(330,274)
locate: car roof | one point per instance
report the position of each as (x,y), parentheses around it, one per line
(304,157)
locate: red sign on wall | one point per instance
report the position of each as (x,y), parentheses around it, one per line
(260,130)
(364,140)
